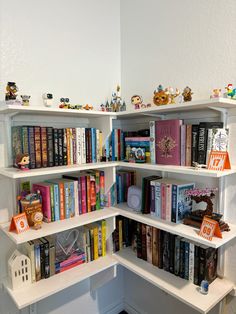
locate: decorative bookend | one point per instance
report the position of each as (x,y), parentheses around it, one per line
(19,223)
(218,161)
(210,228)
(19,270)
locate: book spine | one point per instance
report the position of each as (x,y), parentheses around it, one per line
(99,239)
(71,199)
(183,145)
(97,178)
(74,146)
(191,262)
(113,145)
(42,259)
(152,142)
(60,147)
(24,139)
(71,147)
(78,146)
(144,242)
(155,236)
(46,200)
(102,189)
(202,264)
(80,196)
(52,202)
(174,203)
(31,149)
(65,147)
(98,154)
(95,239)
(186,260)
(177,256)
(83,194)
(209,144)
(194,143)
(67,208)
(46,259)
(118,144)
(16,143)
(188,145)
(52,255)
(163,201)
(152,198)
(92,243)
(50,153)
(88,248)
(76,198)
(101,145)
(93,192)
(93,145)
(62,200)
(196,265)
(120,226)
(37,261)
(172,253)
(182,259)
(168,201)
(56,146)
(103,237)
(88,193)
(149,243)
(68,146)
(166,251)
(83,146)
(56,202)
(160,249)
(158,199)
(202,142)
(139,240)
(44,149)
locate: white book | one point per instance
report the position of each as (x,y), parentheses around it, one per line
(191,261)
(83,148)
(71,147)
(152,142)
(78,145)
(29,248)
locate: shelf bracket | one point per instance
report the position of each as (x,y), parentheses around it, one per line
(224,114)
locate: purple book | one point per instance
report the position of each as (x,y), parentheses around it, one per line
(183,145)
(168,142)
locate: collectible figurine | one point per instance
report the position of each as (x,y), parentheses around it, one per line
(161,97)
(11,91)
(116,100)
(230,91)
(123,106)
(172,94)
(64,103)
(48,99)
(187,94)
(107,106)
(216,93)
(102,107)
(22,161)
(37,219)
(87,107)
(137,101)
(25,100)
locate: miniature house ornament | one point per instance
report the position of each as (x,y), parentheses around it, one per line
(19,270)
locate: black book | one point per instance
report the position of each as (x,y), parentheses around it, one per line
(60,147)
(46,258)
(202,139)
(166,251)
(182,259)
(42,259)
(207,264)
(160,249)
(172,253)
(186,260)
(196,265)
(64,147)
(56,147)
(144,242)
(32,155)
(194,155)
(139,240)
(50,148)
(146,193)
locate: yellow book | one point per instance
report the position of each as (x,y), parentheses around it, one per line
(94,232)
(104,230)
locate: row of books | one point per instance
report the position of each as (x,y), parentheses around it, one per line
(166,198)
(55,254)
(174,143)
(72,195)
(124,179)
(167,251)
(48,147)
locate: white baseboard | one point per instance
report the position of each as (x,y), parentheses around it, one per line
(114,308)
(132,309)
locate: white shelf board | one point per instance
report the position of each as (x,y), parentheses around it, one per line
(179,288)
(177,169)
(53,111)
(46,287)
(58,226)
(180,229)
(176,108)
(15,173)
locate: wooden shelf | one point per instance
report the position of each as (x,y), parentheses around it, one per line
(178,229)
(15,173)
(177,169)
(58,226)
(46,287)
(179,288)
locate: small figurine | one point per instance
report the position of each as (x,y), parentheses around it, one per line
(123,106)
(137,101)
(161,97)
(87,107)
(37,219)
(102,107)
(230,91)
(25,100)
(47,99)
(187,94)
(216,93)
(22,161)
(172,94)
(64,103)
(11,91)
(116,100)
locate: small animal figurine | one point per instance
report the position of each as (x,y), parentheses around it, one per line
(137,101)
(87,107)
(47,99)
(25,100)
(37,219)
(173,94)
(11,91)
(230,91)
(64,103)
(161,97)
(22,161)
(187,94)
(216,93)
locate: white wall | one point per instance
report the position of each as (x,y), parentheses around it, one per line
(70,48)
(177,43)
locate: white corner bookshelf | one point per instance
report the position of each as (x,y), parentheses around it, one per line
(47,287)
(179,229)
(179,288)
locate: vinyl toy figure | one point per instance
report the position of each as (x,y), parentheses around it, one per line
(137,101)
(187,94)
(216,93)
(230,91)
(22,161)
(64,103)
(25,100)
(11,91)
(47,99)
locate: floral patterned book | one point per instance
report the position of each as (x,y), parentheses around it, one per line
(168,142)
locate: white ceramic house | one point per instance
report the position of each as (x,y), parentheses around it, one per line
(19,268)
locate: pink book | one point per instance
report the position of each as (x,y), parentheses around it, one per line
(168,142)
(163,201)
(183,145)
(168,201)
(44,189)
(83,194)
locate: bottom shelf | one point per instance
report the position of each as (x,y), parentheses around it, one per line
(46,287)
(181,289)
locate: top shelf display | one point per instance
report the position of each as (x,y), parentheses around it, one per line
(154,110)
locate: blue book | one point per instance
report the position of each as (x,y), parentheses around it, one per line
(118,188)
(71,199)
(94,144)
(184,203)
(122,145)
(56,201)
(186,260)
(113,145)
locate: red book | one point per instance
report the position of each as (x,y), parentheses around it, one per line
(168,142)
(83,194)
(44,189)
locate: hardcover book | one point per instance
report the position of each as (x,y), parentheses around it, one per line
(168,142)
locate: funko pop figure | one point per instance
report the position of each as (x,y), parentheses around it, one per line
(48,99)
(22,161)
(25,100)
(11,91)
(137,101)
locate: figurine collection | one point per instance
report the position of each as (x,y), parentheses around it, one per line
(116,103)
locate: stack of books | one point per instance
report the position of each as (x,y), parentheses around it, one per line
(124,179)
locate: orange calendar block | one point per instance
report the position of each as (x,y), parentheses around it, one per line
(210,228)
(19,223)
(218,161)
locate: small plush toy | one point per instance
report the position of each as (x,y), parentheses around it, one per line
(25,100)
(216,93)
(161,97)
(47,99)
(22,161)
(11,91)
(187,94)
